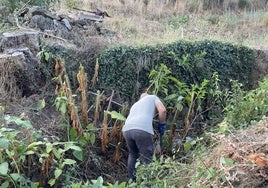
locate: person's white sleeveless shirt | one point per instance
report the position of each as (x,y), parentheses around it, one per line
(141,114)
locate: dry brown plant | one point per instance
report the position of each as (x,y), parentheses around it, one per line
(45,169)
(98,108)
(138,24)
(64,88)
(82,80)
(104,133)
(247,149)
(96,73)
(9,89)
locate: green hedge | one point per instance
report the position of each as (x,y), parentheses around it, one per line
(125,69)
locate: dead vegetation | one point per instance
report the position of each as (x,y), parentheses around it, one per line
(240,158)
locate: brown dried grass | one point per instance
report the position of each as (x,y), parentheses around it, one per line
(9,90)
(139,24)
(248,151)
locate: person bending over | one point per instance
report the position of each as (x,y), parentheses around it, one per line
(138,130)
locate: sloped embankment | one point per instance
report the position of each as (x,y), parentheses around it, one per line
(240,159)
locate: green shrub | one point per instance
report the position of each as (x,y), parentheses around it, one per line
(245,107)
(242,4)
(161,173)
(23,148)
(126,69)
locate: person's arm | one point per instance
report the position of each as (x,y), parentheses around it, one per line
(161,112)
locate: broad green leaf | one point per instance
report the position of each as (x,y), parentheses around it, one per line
(15,176)
(41,104)
(116,115)
(223,127)
(4,143)
(226,161)
(72,146)
(3,129)
(30,152)
(92,138)
(187,146)
(57,173)
(35,185)
(57,104)
(51,182)
(44,155)
(86,136)
(5,184)
(63,108)
(90,126)
(10,153)
(46,54)
(79,155)
(49,147)
(56,153)
(98,182)
(19,121)
(32,145)
(73,133)
(82,141)
(4,168)
(69,161)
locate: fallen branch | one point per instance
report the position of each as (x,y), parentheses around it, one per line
(112,101)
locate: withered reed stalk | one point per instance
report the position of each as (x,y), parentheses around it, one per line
(104,134)
(96,73)
(65,86)
(82,80)
(97,108)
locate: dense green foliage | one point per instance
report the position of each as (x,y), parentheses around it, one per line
(190,62)
(26,155)
(246,106)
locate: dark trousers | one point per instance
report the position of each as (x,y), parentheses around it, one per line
(140,145)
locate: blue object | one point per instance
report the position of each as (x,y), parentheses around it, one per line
(161,128)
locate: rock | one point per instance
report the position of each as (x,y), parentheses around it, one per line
(11,65)
(41,22)
(33,11)
(20,40)
(18,59)
(67,24)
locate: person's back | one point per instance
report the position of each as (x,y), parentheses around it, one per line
(141,114)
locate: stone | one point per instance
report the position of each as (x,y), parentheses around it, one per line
(21,40)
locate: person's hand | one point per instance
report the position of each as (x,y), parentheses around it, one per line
(161,128)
